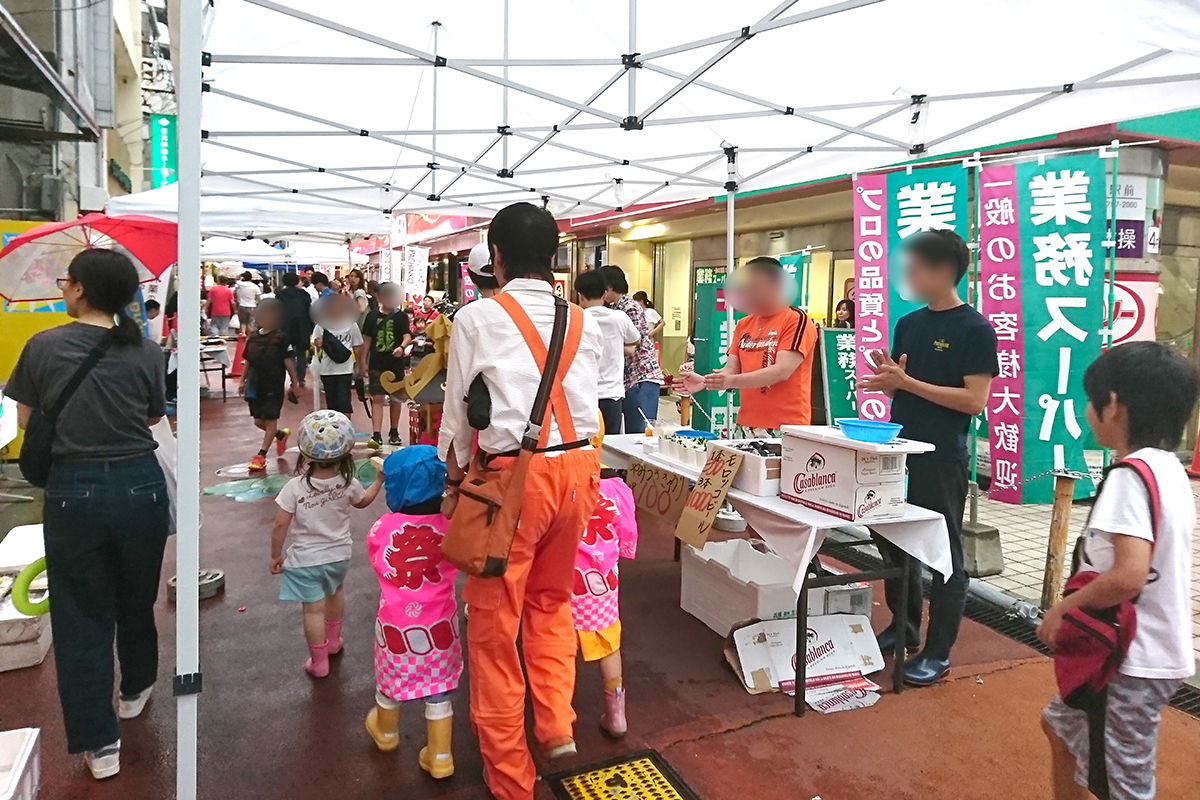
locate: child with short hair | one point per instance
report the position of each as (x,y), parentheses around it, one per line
(269,359)
(418,652)
(611,534)
(314,520)
(386,334)
(337,344)
(1140,397)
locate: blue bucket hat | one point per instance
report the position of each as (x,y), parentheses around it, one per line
(412,476)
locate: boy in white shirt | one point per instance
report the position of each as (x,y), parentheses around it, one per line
(337,364)
(1140,397)
(621,336)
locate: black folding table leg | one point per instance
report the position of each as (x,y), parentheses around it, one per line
(678,547)
(901,627)
(801,646)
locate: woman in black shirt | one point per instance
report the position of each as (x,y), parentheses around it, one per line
(106,516)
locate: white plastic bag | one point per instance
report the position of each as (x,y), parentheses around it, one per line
(167,454)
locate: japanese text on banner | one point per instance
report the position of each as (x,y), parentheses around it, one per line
(1000,302)
(1062,225)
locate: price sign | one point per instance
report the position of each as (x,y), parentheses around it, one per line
(707,496)
(655,490)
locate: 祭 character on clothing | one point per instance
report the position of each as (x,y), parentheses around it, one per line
(611,534)
(418,652)
(314,520)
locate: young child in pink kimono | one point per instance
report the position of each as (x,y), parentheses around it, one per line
(418,653)
(611,534)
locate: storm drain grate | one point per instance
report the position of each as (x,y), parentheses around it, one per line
(642,775)
(1015,627)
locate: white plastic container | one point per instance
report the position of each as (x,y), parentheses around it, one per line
(20,763)
(731,582)
(759,475)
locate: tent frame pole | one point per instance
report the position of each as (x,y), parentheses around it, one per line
(187,683)
(731,184)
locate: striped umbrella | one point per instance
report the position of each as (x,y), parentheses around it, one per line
(32,263)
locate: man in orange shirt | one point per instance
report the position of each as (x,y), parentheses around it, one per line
(770,356)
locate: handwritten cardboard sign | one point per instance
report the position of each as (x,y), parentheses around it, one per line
(656,490)
(707,496)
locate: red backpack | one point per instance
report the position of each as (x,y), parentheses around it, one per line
(1092,643)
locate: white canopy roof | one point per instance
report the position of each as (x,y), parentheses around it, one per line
(266,217)
(323,253)
(341,103)
(251,251)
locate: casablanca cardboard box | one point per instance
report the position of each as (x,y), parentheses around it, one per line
(824,470)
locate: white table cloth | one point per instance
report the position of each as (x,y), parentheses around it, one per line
(212,352)
(796,532)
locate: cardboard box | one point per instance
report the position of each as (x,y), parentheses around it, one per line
(728,583)
(840,650)
(759,475)
(854,481)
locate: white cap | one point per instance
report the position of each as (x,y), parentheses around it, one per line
(480,260)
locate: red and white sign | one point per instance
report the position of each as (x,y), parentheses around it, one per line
(1135,307)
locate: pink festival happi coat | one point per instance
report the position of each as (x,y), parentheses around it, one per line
(418,652)
(611,534)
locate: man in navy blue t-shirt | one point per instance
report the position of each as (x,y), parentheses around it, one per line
(938,375)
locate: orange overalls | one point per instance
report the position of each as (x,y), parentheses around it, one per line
(533,596)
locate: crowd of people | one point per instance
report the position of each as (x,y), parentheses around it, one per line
(106,518)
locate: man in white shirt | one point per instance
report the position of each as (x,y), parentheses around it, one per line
(532,597)
(247,293)
(621,338)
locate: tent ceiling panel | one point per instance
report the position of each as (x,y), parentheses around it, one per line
(821,88)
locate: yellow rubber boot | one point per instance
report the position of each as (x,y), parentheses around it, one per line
(383,723)
(436,757)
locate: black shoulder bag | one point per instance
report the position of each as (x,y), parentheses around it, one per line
(36,455)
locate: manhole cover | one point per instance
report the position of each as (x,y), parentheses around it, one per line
(637,776)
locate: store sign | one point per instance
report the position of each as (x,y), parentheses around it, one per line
(838,358)
(468,285)
(1135,307)
(711,339)
(162,150)
(887,210)
(416,273)
(1131,214)
(1042,284)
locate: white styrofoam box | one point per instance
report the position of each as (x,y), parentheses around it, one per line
(20,547)
(24,641)
(758,475)
(854,598)
(730,582)
(20,763)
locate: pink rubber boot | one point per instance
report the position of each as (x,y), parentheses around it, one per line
(317,664)
(333,637)
(613,722)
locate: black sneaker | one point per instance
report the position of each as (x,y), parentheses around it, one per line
(375,442)
(394,440)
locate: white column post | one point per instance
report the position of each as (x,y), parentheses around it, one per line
(187,541)
(731,183)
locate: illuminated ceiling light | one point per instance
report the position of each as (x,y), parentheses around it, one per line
(626,224)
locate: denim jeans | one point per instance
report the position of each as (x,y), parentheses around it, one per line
(106,525)
(641,404)
(938,485)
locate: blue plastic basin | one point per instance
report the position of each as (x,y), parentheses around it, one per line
(865,430)
(687,433)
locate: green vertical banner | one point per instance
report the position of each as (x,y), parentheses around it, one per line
(797,265)
(922,200)
(838,360)
(711,336)
(162,150)
(1062,223)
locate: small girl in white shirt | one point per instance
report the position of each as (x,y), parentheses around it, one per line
(314,520)
(1140,397)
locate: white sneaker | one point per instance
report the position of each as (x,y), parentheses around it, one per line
(105,762)
(131,707)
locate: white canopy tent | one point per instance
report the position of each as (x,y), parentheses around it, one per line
(221,249)
(323,253)
(369,109)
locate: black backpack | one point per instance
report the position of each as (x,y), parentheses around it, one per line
(333,347)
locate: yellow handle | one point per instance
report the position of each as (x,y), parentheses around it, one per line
(20,590)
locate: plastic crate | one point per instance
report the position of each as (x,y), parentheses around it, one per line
(20,764)
(759,475)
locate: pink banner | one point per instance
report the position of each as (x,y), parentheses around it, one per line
(870,286)
(467,285)
(1000,302)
